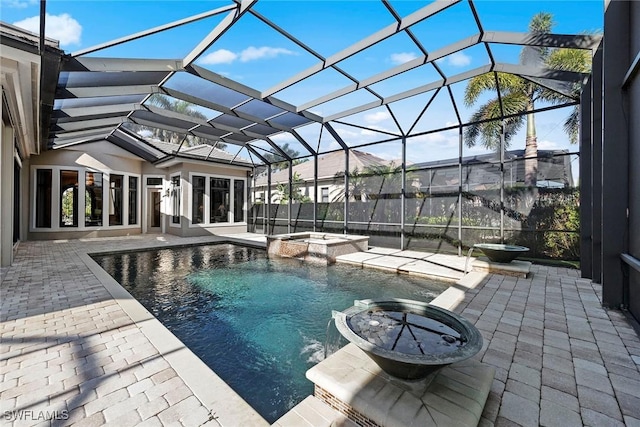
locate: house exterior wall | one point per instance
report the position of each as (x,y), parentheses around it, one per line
(6,194)
(231,173)
(20,104)
(108,159)
(620,157)
(102,157)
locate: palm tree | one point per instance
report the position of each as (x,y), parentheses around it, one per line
(374,182)
(277,163)
(519,95)
(296,193)
(179,106)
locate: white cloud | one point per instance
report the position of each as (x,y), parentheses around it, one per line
(347,134)
(265,52)
(220,56)
(459,59)
(548,145)
(59,27)
(252,53)
(445,139)
(284,137)
(402,57)
(17,4)
(377,117)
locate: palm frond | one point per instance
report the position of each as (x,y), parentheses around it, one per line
(572,125)
(477,86)
(489,129)
(160,100)
(570,60)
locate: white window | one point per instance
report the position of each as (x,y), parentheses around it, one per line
(324,195)
(217,200)
(82,198)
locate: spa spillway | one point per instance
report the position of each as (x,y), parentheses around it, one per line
(322,248)
(408,339)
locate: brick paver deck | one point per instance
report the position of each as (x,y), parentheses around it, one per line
(69,349)
(560,358)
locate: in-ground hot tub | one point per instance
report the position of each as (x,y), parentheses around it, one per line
(408,339)
(315,247)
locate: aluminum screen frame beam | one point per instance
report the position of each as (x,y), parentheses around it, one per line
(224,26)
(154,30)
(363,44)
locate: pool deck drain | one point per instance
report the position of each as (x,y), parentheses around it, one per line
(69,345)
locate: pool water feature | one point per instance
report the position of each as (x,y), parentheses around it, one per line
(320,248)
(259,323)
(408,339)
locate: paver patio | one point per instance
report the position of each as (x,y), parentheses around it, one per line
(70,348)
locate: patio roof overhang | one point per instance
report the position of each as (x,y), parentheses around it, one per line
(99,97)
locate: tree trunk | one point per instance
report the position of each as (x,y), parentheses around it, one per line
(531,150)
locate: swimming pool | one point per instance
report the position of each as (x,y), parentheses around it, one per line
(259,323)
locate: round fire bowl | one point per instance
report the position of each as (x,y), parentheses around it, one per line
(497,252)
(408,339)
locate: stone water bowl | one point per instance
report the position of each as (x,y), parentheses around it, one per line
(497,252)
(408,339)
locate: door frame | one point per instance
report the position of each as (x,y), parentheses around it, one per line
(146,205)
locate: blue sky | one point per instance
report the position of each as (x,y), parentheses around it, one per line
(255,55)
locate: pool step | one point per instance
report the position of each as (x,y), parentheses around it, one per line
(313,412)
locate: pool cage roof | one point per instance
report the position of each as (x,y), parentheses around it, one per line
(135,102)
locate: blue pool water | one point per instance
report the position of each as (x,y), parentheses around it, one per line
(258,323)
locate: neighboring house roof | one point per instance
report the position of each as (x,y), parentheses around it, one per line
(554,166)
(328,166)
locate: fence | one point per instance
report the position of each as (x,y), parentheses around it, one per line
(544,219)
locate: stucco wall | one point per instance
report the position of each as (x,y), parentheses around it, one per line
(107,158)
(102,156)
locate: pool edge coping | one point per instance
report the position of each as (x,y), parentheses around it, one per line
(455,293)
(225,404)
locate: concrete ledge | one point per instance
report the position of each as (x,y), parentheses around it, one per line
(357,258)
(454,294)
(444,267)
(430,270)
(350,381)
(313,412)
(515,268)
(387,263)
